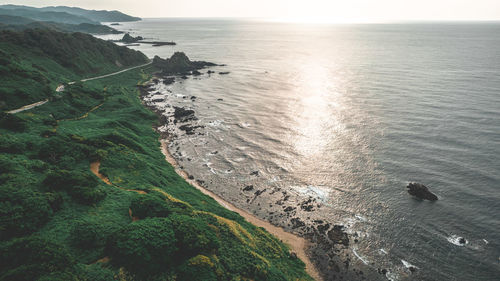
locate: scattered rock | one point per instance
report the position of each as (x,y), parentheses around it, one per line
(254,173)
(421,191)
(183,115)
(189,129)
(248,188)
(338,236)
(296,223)
(224,72)
(259,192)
(168,80)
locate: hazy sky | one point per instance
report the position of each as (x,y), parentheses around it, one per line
(299,10)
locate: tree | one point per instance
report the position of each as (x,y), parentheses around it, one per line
(144,247)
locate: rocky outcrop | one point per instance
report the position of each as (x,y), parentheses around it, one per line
(421,191)
(127,38)
(179,63)
(183,115)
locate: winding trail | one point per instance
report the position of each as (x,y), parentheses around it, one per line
(60,88)
(94,168)
(296,243)
(27,107)
(112,74)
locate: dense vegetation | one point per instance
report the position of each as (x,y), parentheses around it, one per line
(59,221)
(22,23)
(37,15)
(34,62)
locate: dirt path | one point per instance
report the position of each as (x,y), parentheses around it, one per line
(27,107)
(60,88)
(94,168)
(84,115)
(112,74)
(296,243)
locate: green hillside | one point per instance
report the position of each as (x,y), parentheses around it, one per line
(16,23)
(38,15)
(34,62)
(86,193)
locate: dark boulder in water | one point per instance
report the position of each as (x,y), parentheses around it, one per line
(421,191)
(183,115)
(179,63)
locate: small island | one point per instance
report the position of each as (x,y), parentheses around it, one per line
(129,39)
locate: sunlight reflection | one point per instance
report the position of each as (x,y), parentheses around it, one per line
(315,111)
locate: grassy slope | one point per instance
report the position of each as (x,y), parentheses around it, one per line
(34,62)
(55,228)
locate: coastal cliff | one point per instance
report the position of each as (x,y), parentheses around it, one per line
(87,194)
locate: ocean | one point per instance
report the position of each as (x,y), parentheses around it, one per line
(320,128)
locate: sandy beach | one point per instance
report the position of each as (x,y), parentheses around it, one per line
(297,244)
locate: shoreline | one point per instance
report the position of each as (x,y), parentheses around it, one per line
(296,243)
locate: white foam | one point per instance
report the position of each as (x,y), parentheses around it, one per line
(216,124)
(407,264)
(391,276)
(361,218)
(455,240)
(244,125)
(208,164)
(359,257)
(318,192)
(382,251)
(485,241)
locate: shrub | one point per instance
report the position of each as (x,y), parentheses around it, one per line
(90,233)
(12,122)
(63,151)
(32,257)
(11,144)
(193,235)
(95,272)
(148,206)
(22,211)
(144,246)
(81,186)
(198,268)
(55,200)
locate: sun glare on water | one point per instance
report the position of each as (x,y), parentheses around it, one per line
(319,12)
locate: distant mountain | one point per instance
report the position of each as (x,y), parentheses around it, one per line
(91,15)
(14,20)
(22,23)
(46,16)
(100,16)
